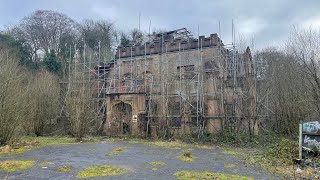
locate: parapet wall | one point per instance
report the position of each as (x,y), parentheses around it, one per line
(169,45)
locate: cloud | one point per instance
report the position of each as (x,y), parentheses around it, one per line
(269,22)
(105,12)
(313,22)
(250,26)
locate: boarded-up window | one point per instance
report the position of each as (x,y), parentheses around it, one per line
(186,72)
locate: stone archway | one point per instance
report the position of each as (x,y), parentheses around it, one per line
(122,116)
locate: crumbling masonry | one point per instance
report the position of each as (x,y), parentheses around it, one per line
(176,84)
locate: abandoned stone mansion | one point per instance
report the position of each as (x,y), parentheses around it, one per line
(178,84)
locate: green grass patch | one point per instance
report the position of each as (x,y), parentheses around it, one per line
(64,168)
(115,151)
(186,156)
(193,175)
(158,163)
(45,164)
(230,166)
(229,152)
(13,165)
(101,171)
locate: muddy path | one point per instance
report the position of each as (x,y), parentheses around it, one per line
(135,158)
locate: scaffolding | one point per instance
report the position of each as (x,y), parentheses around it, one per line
(188,84)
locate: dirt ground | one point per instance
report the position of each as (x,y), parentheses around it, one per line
(135,158)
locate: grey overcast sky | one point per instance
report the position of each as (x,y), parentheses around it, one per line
(268,22)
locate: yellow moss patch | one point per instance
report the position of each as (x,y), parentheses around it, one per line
(154,169)
(175,145)
(54,140)
(230,166)
(46,163)
(103,170)
(115,151)
(157,163)
(229,152)
(192,175)
(64,168)
(12,165)
(186,156)
(15,151)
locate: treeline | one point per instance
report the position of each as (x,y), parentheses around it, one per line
(35,55)
(288,82)
(34,66)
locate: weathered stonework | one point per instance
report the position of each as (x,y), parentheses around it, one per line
(186,85)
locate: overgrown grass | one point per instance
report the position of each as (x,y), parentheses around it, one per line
(14,165)
(64,168)
(192,175)
(277,158)
(115,151)
(186,156)
(100,171)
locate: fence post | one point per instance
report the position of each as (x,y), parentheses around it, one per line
(300,140)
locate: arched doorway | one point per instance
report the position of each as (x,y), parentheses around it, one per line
(123,114)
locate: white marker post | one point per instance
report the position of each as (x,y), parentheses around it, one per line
(300,140)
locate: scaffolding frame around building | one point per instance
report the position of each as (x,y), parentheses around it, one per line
(96,72)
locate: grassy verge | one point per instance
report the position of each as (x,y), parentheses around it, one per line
(27,143)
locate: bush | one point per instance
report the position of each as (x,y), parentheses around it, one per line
(13,101)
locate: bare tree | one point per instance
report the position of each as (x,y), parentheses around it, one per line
(100,32)
(282,84)
(304,45)
(80,104)
(44,30)
(44,101)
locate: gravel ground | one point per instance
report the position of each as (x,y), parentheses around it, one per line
(135,158)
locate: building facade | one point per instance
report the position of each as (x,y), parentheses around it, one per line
(177,84)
